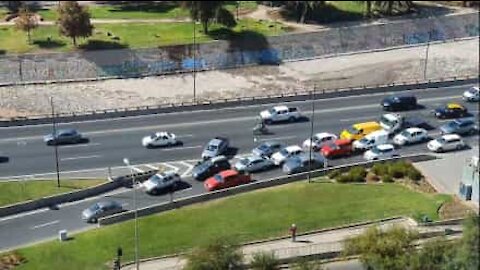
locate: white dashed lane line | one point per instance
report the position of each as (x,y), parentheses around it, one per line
(45,224)
(80,157)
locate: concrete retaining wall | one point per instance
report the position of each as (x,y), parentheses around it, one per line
(240,189)
(72,196)
(252,50)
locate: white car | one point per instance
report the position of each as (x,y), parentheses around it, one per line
(411,136)
(159,139)
(161,181)
(472,94)
(381,151)
(319,140)
(279,157)
(280,113)
(446,143)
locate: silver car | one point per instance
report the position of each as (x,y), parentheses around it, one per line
(253,164)
(215,147)
(101,209)
(63,136)
(161,181)
(301,163)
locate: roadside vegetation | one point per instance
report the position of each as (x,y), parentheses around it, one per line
(245,217)
(20,191)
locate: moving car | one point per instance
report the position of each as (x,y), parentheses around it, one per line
(398,103)
(472,94)
(215,147)
(280,114)
(451,110)
(266,149)
(375,138)
(101,209)
(446,143)
(339,148)
(159,139)
(411,136)
(161,181)
(318,140)
(359,130)
(204,169)
(279,157)
(63,136)
(459,126)
(301,163)
(253,163)
(394,123)
(382,151)
(226,179)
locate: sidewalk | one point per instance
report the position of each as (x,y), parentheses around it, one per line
(111,21)
(322,242)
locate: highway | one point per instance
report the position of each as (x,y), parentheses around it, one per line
(113,139)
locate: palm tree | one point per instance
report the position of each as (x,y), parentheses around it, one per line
(208,11)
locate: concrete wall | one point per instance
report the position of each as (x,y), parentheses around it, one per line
(241,189)
(254,50)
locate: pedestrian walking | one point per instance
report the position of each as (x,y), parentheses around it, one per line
(293,232)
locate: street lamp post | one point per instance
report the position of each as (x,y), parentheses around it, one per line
(426,56)
(137,262)
(311,136)
(194,61)
(54,131)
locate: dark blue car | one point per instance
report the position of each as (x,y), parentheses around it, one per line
(450,110)
(460,127)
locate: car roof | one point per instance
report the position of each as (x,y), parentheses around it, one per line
(449,137)
(454,106)
(463,120)
(293,148)
(161,133)
(167,173)
(386,146)
(215,142)
(218,158)
(107,203)
(391,116)
(67,130)
(414,129)
(270,143)
(366,125)
(228,173)
(253,157)
(280,108)
(476,88)
(343,141)
(323,135)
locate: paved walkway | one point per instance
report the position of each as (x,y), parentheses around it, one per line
(112,21)
(315,243)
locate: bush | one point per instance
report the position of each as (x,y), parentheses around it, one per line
(356,174)
(414,174)
(380,169)
(344,178)
(334,174)
(371,177)
(264,261)
(358,170)
(397,170)
(387,179)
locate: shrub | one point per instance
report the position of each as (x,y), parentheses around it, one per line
(358,170)
(380,169)
(396,170)
(387,178)
(264,261)
(414,174)
(344,178)
(334,174)
(371,177)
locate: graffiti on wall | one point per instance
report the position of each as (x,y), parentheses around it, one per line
(424,37)
(472,30)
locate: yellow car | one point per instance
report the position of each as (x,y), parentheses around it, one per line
(359,130)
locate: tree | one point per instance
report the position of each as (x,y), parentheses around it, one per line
(390,250)
(208,11)
(26,21)
(264,261)
(14,6)
(387,7)
(74,20)
(436,254)
(467,256)
(303,7)
(219,255)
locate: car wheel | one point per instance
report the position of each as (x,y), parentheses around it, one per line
(93,220)
(459,147)
(291,119)
(268,121)
(440,150)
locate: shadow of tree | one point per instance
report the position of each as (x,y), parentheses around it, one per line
(2,51)
(324,14)
(49,44)
(95,44)
(145,6)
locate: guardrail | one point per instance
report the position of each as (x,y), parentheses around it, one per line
(54,200)
(240,101)
(241,189)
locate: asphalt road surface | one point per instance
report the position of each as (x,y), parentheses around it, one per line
(113,139)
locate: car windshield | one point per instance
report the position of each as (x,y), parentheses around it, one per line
(452,124)
(94,208)
(375,150)
(387,122)
(405,133)
(211,147)
(263,147)
(204,165)
(284,152)
(441,140)
(363,140)
(352,130)
(473,90)
(332,145)
(218,178)
(244,161)
(155,179)
(153,136)
(272,111)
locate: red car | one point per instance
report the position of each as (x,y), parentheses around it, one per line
(341,147)
(226,179)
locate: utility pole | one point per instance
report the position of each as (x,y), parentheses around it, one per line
(55,145)
(311,135)
(126,161)
(194,60)
(426,56)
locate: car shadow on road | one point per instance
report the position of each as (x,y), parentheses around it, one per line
(179,186)
(231,152)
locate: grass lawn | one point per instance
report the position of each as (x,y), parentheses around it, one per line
(14,192)
(166,10)
(255,215)
(130,35)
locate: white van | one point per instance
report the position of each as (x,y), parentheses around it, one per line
(373,139)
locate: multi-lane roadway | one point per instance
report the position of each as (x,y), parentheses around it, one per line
(111,140)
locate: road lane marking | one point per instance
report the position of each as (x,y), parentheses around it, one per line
(181,148)
(137,169)
(79,145)
(45,224)
(277,138)
(80,157)
(23,214)
(373,118)
(151,167)
(176,169)
(189,166)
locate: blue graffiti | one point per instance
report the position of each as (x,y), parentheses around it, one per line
(423,37)
(472,30)
(190,64)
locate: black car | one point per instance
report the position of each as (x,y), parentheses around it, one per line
(64,136)
(451,110)
(399,103)
(210,167)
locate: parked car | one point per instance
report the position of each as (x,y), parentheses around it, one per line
(319,140)
(472,94)
(266,149)
(204,169)
(375,138)
(339,148)
(161,181)
(253,163)
(301,163)
(159,139)
(280,114)
(279,157)
(360,130)
(411,136)
(101,209)
(459,126)
(382,151)
(446,143)
(450,110)
(398,103)
(63,136)
(226,179)
(215,147)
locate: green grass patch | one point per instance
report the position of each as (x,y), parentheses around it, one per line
(138,35)
(255,215)
(15,192)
